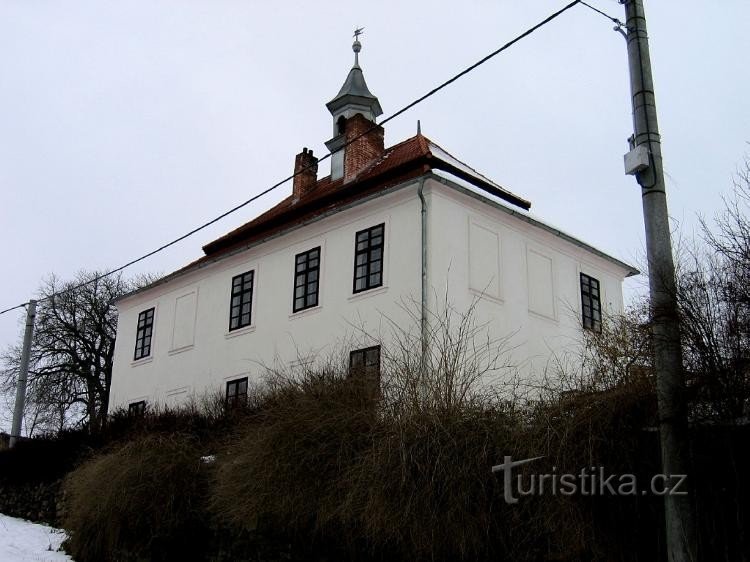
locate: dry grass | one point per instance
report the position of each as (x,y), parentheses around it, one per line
(140,501)
(405,474)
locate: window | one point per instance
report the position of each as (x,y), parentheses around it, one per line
(365,363)
(137,408)
(306,272)
(591,304)
(242,298)
(368,258)
(236,393)
(144,333)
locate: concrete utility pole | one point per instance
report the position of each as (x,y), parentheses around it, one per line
(23,374)
(645,161)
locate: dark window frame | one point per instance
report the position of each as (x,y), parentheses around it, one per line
(306,265)
(366,256)
(137,408)
(239,392)
(364,353)
(144,334)
(243,287)
(591,303)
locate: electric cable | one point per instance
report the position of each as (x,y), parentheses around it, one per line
(278,184)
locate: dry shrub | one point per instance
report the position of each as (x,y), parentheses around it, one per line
(406,474)
(321,461)
(424,487)
(143,500)
(286,461)
(403,474)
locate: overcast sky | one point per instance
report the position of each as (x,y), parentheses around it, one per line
(125,124)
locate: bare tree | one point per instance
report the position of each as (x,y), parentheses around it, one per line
(714,298)
(72,352)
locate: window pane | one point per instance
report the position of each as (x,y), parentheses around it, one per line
(372,354)
(356,359)
(368,258)
(591,306)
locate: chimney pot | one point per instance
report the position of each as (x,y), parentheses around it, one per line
(305,174)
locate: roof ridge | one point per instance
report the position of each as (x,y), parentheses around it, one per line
(424,142)
(424,147)
(472,168)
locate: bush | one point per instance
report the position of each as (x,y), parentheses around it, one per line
(142,500)
(284,462)
(323,464)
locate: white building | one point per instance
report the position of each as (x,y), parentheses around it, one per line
(348,249)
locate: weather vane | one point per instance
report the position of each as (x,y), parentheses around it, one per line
(357,46)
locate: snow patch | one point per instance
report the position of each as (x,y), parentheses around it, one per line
(24,541)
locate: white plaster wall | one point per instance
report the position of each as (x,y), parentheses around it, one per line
(535,294)
(176,368)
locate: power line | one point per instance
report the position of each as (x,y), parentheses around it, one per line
(614,20)
(278,184)
(13,308)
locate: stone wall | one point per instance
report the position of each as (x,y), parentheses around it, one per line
(40,502)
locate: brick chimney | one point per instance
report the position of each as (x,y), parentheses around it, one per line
(364,150)
(306,170)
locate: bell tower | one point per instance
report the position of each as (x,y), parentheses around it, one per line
(354,99)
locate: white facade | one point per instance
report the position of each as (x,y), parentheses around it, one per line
(526,274)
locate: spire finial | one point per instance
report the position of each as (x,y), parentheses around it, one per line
(357,46)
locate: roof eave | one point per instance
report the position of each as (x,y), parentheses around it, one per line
(484,185)
(210,259)
(629,270)
(352,99)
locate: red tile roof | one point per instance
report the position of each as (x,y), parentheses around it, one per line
(408,159)
(404,161)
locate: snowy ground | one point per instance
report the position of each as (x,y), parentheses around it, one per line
(23,541)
